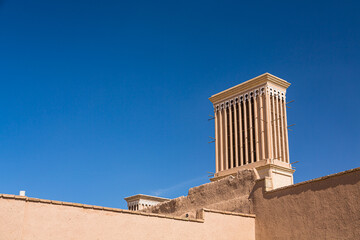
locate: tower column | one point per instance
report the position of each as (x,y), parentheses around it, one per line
(217,142)
(269,142)
(283,150)
(236,118)
(251,142)
(257,123)
(226,164)
(262,122)
(279,143)
(245,126)
(286,132)
(273,124)
(231,157)
(221,144)
(241,122)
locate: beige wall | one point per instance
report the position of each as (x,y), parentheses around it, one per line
(26,219)
(324,208)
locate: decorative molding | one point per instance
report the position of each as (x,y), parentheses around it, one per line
(246,96)
(252,83)
(275,92)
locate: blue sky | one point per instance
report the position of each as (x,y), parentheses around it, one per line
(100,100)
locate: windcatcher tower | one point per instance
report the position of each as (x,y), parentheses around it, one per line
(251,130)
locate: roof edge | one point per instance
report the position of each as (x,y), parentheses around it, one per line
(143,196)
(247,85)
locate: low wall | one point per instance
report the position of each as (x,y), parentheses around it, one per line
(35,219)
(323,208)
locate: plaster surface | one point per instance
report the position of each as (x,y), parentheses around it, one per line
(324,208)
(23,219)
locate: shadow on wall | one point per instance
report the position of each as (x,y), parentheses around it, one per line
(352,177)
(323,208)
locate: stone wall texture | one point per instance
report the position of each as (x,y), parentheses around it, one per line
(228,194)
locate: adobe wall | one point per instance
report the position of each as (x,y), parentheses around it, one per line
(228,194)
(324,208)
(23,218)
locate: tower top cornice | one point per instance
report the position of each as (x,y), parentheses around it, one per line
(249,84)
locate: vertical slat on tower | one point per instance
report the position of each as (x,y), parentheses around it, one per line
(245,127)
(217,141)
(286,132)
(256,116)
(251,143)
(231,157)
(268,117)
(236,131)
(226,138)
(222,153)
(273,124)
(262,123)
(282,129)
(278,127)
(241,133)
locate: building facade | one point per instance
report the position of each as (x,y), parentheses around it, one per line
(251,129)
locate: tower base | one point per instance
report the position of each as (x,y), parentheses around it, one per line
(280,173)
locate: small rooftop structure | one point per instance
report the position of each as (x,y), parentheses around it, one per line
(141,201)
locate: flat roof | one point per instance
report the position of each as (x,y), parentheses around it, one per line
(263,78)
(148,197)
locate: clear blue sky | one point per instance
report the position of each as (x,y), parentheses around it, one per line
(100,100)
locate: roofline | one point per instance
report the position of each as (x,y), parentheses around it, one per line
(143,196)
(247,85)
